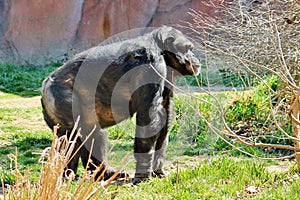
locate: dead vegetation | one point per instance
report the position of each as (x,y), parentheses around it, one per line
(261,38)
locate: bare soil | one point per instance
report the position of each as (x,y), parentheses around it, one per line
(34,122)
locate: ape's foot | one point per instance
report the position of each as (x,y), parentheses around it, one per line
(141,177)
(138,178)
(137,181)
(108,173)
(118,175)
(69,174)
(159,174)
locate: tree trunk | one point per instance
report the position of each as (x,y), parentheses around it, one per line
(295,127)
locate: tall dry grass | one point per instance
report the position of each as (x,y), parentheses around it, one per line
(53,184)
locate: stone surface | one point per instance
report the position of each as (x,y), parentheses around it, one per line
(102,19)
(39,31)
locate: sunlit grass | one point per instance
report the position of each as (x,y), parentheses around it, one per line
(215,178)
(217,174)
(23,80)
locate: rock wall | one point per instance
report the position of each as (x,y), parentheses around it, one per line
(39,31)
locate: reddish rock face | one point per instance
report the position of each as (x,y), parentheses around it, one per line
(39,28)
(37,31)
(102,19)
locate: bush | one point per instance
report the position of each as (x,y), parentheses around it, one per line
(190,122)
(252,105)
(248,115)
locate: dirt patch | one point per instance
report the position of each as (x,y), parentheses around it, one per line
(32,122)
(282,167)
(184,162)
(19,102)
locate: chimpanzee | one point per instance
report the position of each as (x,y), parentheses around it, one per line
(107,84)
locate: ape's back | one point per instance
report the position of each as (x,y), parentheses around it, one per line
(101,67)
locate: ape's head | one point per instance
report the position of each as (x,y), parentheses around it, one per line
(177,51)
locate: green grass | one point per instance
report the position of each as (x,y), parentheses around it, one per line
(225,77)
(223,174)
(27,146)
(24,80)
(216,178)
(121,137)
(18,131)
(11,114)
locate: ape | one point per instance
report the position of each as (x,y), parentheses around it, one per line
(107,84)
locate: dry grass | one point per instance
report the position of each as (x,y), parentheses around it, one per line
(52,183)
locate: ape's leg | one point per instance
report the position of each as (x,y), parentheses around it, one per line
(93,137)
(151,119)
(98,155)
(95,149)
(162,140)
(159,155)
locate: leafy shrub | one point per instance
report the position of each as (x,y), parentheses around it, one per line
(125,130)
(190,122)
(252,105)
(248,114)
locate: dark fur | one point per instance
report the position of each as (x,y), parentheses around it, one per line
(162,47)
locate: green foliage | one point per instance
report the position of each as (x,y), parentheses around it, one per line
(203,79)
(226,77)
(217,178)
(191,116)
(248,115)
(253,104)
(286,187)
(24,80)
(121,137)
(124,130)
(235,78)
(26,144)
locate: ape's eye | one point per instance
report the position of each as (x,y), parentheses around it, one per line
(170,40)
(190,46)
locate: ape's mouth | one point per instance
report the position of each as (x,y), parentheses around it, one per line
(191,63)
(192,67)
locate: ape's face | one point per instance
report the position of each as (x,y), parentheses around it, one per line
(185,64)
(177,51)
